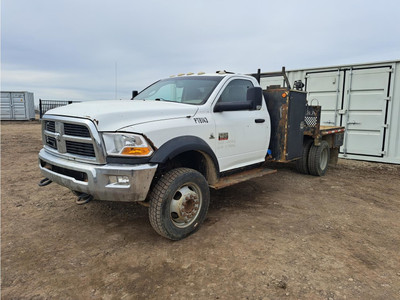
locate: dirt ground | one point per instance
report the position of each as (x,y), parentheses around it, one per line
(283,236)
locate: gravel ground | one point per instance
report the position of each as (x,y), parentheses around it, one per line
(282,236)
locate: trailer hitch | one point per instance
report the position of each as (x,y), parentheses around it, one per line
(83,199)
(44,182)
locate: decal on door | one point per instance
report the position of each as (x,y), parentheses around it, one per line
(200,120)
(223,136)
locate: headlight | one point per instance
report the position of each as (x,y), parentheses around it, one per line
(121,144)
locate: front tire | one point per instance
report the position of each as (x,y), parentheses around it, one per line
(179,203)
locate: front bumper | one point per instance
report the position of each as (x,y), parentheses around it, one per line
(95,179)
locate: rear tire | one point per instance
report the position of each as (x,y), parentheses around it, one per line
(318,159)
(179,203)
(302,163)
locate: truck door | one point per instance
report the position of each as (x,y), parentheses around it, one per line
(242,136)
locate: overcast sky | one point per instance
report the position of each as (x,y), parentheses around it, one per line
(70,49)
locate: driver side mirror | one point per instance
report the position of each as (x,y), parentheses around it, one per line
(134,94)
(254,95)
(253,102)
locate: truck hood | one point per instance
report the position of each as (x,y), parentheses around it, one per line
(113,115)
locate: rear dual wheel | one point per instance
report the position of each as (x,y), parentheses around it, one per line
(302,163)
(318,159)
(179,203)
(314,159)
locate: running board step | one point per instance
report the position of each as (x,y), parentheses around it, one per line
(240,177)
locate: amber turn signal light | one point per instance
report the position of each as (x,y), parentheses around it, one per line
(141,151)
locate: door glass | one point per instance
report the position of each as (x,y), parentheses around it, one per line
(236,91)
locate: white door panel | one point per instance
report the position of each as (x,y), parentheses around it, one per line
(365,105)
(240,140)
(325,89)
(6,112)
(355,99)
(357,139)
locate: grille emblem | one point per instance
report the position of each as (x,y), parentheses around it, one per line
(58,137)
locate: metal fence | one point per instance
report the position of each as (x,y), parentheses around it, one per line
(45,105)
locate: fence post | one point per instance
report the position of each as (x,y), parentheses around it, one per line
(40,109)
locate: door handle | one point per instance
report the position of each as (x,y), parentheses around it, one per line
(259,120)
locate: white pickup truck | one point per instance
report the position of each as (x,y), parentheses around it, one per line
(167,145)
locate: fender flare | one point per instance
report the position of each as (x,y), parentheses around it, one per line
(180,145)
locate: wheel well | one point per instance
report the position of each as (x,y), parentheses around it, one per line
(329,139)
(197,160)
(306,137)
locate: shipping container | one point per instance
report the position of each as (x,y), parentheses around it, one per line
(364,98)
(17,106)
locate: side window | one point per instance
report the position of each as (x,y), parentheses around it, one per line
(236,91)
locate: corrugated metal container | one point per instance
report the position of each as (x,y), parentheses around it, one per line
(364,98)
(17,106)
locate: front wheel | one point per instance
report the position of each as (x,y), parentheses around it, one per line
(179,203)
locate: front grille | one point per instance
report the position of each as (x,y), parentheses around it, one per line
(51,142)
(50,126)
(73,138)
(80,148)
(76,130)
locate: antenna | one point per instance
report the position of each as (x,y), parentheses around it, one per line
(116,86)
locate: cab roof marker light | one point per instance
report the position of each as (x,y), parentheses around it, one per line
(201,73)
(190,73)
(181,74)
(171,76)
(224,72)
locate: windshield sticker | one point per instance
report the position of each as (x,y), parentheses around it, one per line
(223,136)
(200,120)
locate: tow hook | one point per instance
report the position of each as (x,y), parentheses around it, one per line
(83,199)
(44,182)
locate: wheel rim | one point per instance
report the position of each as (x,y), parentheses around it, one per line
(185,205)
(324,159)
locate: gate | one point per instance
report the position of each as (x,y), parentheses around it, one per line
(45,105)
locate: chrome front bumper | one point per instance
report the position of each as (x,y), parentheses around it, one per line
(97,181)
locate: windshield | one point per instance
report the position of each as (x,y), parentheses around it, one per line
(189,90)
